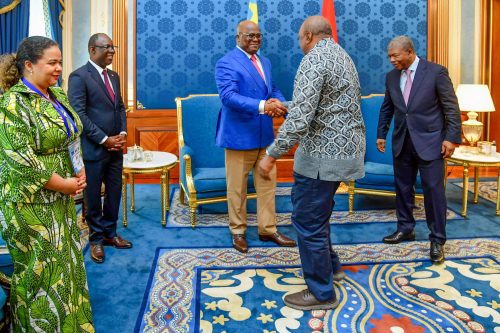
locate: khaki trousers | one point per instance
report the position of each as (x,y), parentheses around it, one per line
(238,166)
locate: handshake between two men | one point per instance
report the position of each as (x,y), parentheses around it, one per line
(274,108)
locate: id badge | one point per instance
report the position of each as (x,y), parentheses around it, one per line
(75,154)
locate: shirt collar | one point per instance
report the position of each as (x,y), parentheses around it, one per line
(413,66)
(246,53)
(99,68)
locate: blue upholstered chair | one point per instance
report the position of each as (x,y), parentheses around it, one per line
(202,172)
(379,172)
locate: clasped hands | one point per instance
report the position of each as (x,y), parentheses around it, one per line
(75,185)
(115,142)
(274,108)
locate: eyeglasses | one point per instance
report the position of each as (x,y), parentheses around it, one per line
(252,36)
(107,47)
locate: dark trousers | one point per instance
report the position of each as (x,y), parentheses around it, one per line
(406,166)
(312,207)
(102,217)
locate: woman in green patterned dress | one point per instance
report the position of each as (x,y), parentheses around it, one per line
(40,171)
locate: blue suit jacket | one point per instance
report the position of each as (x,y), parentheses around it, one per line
(100,116)
(432,114)
(241,88)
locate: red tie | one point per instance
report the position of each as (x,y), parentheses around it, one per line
(108,85)
(253,58)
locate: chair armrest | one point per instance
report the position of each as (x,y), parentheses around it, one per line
(185,168)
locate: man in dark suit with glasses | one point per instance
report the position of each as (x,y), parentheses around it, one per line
(94,93)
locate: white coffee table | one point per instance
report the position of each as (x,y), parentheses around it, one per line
(476,160)
(161,163)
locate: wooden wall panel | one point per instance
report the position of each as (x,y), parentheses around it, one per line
(495,74)
(157,130)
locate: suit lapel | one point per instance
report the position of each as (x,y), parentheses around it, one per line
(249,67)
(97,78)
(417,80)
(395,82)
(114,83)
(267,74)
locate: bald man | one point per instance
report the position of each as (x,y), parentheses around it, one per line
(244,129)
(325,119)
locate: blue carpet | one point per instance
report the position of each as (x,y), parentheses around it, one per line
(118,286)
(220,289)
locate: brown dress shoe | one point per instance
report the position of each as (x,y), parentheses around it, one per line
(240,243)
(97,253)
(279,239)
(305,300)
(117,242)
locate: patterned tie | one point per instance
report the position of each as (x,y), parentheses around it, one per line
(108,85)
(253,58)
(409,82)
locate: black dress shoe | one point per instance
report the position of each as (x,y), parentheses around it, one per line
(398,237)
(436,253)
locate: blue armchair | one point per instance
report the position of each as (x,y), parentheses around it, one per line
(379,172)
(202,172)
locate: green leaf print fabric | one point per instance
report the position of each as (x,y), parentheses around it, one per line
(49,290)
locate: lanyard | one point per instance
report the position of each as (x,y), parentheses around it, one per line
(60,109)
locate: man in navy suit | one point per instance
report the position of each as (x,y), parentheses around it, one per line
(94,93)
(427,128)
(245,128)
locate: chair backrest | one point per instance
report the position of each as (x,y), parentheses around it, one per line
(370,108)
(197,120)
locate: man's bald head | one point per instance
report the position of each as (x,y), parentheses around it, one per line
(244,25)
(248,36)
(317,25)
(314,29)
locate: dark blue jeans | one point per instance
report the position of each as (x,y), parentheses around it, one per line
(312,207)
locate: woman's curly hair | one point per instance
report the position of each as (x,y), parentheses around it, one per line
(9,74)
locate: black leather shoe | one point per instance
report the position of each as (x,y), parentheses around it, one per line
(436,253)
(398,237)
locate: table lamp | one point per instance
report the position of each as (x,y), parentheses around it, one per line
(473,98)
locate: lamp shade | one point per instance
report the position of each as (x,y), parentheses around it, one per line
(475,97)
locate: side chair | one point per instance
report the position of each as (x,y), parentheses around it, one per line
(379,172)
(202,171)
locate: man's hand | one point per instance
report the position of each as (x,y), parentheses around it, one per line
(115,142)
(266,166)
(274,108)
(381,145)
(447,148)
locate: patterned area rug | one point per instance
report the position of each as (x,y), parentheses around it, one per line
(487,189)
(179,214)
(389,288)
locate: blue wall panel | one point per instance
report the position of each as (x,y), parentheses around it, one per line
(179,42)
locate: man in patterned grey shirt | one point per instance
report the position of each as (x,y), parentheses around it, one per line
(325,119)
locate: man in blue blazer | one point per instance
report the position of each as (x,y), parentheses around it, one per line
(245,128)
(94,93)
(427,128)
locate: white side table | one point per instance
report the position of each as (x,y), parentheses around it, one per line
(161,163)
(476,160)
